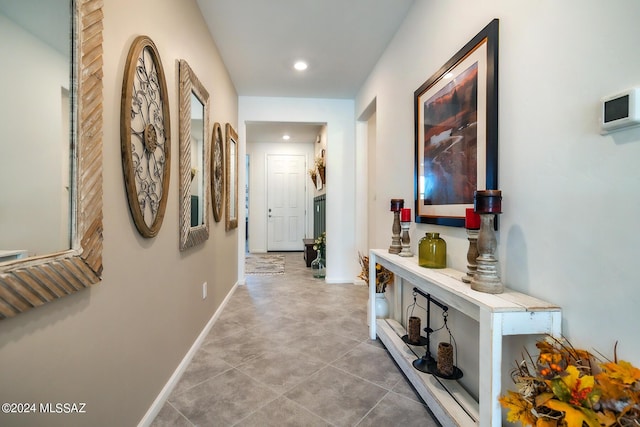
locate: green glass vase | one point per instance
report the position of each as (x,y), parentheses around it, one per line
(432,251)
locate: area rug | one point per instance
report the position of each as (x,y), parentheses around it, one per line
(264,264)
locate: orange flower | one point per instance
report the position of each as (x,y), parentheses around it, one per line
(560,388)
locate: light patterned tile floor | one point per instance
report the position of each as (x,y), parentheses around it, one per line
(291,350)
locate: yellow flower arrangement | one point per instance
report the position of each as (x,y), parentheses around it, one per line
(320,243)
(565,386)
(383,276)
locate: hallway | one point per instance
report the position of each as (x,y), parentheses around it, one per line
(290,350)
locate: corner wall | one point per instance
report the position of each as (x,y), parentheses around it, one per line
(115,345)
(340,158)
(570,196)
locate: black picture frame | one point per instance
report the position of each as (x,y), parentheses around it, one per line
(456,147)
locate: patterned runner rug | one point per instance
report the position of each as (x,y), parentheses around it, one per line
(264,264)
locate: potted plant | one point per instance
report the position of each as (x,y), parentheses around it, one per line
(383,278)
(319,265)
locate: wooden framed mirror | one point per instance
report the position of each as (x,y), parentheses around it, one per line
(231,181)
(32,281)
(194,159)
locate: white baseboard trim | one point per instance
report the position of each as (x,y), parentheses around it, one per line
(338,281)
(157,404)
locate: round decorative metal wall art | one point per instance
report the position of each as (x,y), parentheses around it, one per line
(145,136)
(217,172)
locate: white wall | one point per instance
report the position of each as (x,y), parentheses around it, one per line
(570,196)
(340,157)
(115,345)
(34,201)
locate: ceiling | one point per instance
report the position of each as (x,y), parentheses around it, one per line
(341,40)
(259,40)
(273,132)
(48,20)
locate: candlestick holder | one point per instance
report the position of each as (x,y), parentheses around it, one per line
(396,245)
(486,278)
(488,203)
(406,242)
(472,255)
(396,207)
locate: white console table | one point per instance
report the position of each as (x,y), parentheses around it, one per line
(508,313)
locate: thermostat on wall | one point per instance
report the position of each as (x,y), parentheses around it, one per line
(620,111)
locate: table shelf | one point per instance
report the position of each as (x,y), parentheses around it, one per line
(498,315)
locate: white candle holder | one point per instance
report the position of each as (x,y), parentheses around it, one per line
(486,277)
(396,246)
(472,255)
(406,242)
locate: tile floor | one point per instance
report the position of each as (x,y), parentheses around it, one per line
(290,350)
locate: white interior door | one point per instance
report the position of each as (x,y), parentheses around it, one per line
(285,202)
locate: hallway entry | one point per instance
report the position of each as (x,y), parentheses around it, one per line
(285,202)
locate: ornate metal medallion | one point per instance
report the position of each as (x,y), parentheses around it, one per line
(145,136)
(217,172)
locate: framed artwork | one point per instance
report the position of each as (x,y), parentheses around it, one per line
(145,136)
(217,172)
(231,181)
(456,132)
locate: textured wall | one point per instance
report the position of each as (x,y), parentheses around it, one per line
(570,201)
(115,345)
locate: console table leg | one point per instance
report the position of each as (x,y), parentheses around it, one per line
(372,296)
(490,372)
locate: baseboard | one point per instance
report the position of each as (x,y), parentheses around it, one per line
(338,281)
(157,404)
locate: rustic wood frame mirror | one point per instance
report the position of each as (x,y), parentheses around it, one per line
(31,282)
(231,181)
(192,91)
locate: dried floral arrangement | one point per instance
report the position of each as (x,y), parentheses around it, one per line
(383,276)
(320,243)
(569,387)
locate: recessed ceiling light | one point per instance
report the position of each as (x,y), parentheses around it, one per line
(300,65)
(286,137)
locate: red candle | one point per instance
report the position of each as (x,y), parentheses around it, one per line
(472,220)
(405,215)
